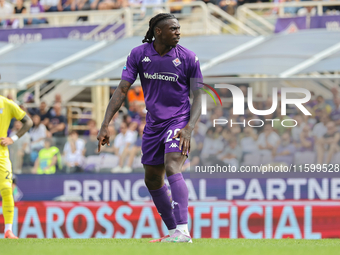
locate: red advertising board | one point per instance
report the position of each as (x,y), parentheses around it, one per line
(219,219)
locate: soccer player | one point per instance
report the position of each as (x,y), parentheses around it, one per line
(8,111)
(165,70)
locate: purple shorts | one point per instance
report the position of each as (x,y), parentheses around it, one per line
(157,142)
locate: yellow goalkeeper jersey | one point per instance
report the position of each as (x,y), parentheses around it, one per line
(8,111)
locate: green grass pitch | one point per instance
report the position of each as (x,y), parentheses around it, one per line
(142,247)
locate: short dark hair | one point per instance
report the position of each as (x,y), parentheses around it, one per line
(152,24)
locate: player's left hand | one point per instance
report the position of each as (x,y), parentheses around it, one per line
(5,141)
(184,143)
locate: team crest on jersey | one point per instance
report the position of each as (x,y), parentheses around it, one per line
(176,62)
(1,110)
(196,59)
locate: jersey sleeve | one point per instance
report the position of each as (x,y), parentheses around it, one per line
(130,69)
(195,77)
(15,110)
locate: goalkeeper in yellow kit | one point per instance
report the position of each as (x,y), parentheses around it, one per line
(8,111)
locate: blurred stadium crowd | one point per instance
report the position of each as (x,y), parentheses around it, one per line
(51,146)
(40,6)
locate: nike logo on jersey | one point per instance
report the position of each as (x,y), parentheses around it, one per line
(146,59)
(173,145)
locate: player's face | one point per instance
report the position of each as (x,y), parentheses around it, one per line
(170,32)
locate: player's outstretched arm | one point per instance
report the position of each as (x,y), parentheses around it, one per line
(115,103)
(185,133)
(27,124)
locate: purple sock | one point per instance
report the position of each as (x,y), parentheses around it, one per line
(180,195)
(162,199)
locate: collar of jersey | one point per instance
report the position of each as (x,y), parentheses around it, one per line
(153,52)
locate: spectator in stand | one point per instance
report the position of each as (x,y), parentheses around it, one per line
(228,6)
(73,153)
(284,153)
(157,9)
(105,4)
(248,142)
(196,151)
(277,123)
(5,9)
(67,5)
(20,149)
(135,94)
(320,128)
(83,5)
(296,131)
(57,127)
(212,146)
(38,134)
(130,139)
(116,121)
(136,149)
(210,1)
(226,135)
(291,9)
(232,154)
(91,146)
(141,112)
(122,145)
(51,5)
(308,10)
(91,124)
(306,140)
(177,8)
(44,114)
(329,143)
(312,102)
(335,114)
(268,140)
(57,99)
(132,109)
(48,160)
(19,8)
(321,107)
(36,7)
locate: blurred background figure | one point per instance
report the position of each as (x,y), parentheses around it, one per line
(38,134)
(73,153)
(284,153)
(328,144)
(20,150)
(49,159)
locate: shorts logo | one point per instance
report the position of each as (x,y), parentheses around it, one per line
(173,145)
(176,62)
(196,59)
(146,59)
(173,204)
(124,68)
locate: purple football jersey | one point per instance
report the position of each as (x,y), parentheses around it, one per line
(165,81)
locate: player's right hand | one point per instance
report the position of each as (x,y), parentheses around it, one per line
(5,141)
(103,137)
